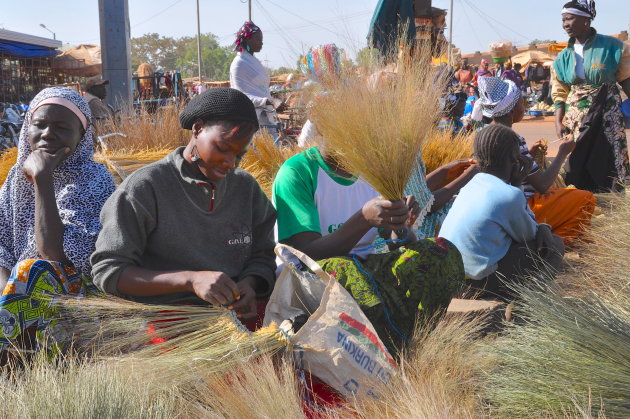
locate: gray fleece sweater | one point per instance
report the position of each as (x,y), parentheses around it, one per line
(166,216)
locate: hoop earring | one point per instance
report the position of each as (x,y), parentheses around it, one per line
(193,155)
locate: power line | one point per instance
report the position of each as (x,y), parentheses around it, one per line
(486,16)
(309,21)
(157,14)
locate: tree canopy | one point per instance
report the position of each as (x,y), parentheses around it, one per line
(180,54)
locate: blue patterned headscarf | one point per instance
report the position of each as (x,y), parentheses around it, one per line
(81,188)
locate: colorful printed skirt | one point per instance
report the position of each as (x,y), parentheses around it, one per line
(395,288)
(600,160)
(27,304)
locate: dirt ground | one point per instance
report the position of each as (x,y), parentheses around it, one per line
(534,128)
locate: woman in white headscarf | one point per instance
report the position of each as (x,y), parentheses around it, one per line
(587,100)
(49,213)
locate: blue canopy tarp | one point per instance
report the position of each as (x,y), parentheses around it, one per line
(389,17)
(19,49)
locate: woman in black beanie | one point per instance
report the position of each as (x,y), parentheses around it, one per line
(192,227)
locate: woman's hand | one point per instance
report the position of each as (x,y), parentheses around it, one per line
(245,307)
(215,287)
(538,145)
(456,168)
(567,145)
(390,215)
(41,164)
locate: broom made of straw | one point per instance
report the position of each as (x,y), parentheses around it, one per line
(174,341)
(377,133)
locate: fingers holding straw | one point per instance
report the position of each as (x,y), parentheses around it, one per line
(215,287)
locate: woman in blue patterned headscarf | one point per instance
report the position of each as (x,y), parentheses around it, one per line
(49,212)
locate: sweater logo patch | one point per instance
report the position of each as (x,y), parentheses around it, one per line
(238,240)
(240,237)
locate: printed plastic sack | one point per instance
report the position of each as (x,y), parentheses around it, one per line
(338,344)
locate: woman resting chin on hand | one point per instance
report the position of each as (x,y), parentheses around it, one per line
(49,208)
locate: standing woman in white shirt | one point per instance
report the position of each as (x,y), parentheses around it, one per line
(248,75)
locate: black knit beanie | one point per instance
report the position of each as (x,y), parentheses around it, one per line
(220,104)
(493,146)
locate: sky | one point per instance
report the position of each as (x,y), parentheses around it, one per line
(291,27)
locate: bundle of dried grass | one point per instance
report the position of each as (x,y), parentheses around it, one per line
(572,352)
(73,388)
(7,161)
(121,163)
(264,158)
(601,262)
(378,133)
(439,378)
(264,389)
(442,147)
(176,342)
(146,131)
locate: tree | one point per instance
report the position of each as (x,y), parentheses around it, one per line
(215,59)
(160,51)
(180,54)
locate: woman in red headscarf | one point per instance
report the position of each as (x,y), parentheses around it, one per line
(248,75)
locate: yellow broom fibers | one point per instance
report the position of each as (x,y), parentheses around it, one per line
(266,388)
(7,161)
(174,341)
(442,147)
(378,133)
(264,158)
(146,131)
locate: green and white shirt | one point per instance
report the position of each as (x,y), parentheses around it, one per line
(309,196)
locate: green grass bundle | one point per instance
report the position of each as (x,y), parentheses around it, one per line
(175,342)
(377,132)
(572,352)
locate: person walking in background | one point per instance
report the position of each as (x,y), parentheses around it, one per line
(465,74)
(587,101)
(95,94)
(511,74)
(484,69)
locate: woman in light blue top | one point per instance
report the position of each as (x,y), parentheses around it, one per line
(490,222)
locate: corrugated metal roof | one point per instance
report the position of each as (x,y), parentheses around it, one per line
(6,35)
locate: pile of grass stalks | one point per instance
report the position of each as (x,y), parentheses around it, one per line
(146,131)
(572,356)
(442,147)
(74,388)
(440,377)
(264,158)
